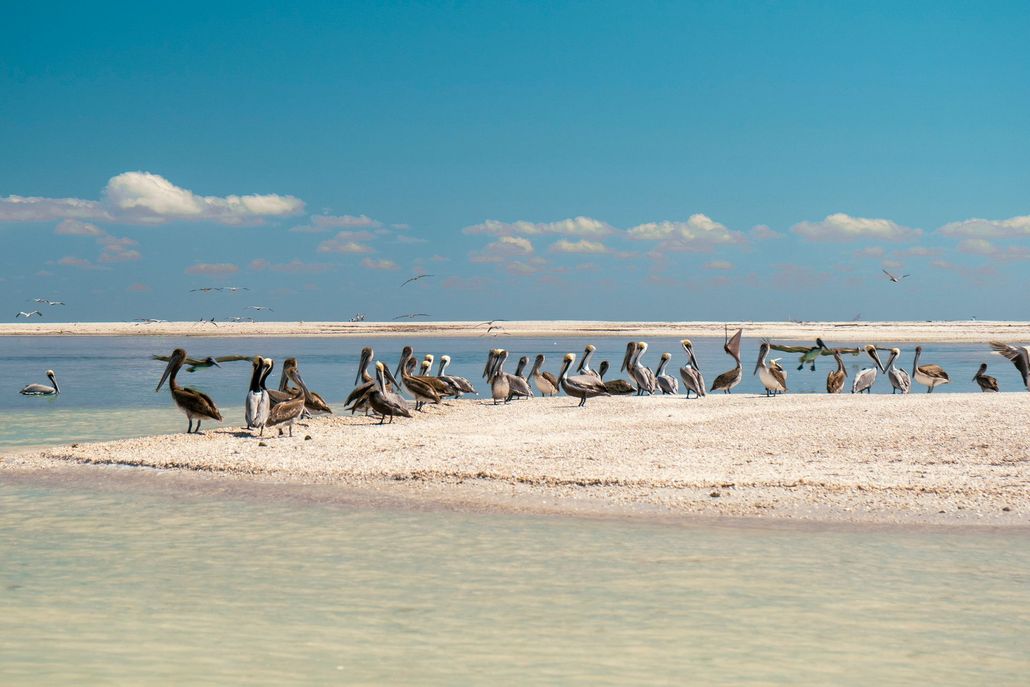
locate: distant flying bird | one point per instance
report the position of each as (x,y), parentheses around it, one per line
(259,307)
(416,278)
(194,364)
(147,320)
(207,321)
(207,289)
(359,317)
(237,318)
(46,302)
(411,316)
(489,323)
(28,314)
(894,278)
(234,289)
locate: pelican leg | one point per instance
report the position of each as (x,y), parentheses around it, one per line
(189,429)
(582,402)
(197,428)
(383,418)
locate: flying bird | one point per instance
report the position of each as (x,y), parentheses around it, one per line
(147,320)
(28,314)
(207,289)
(234,289)
(259,307)
(46,302)
(237,318)
(411,316)
(1018,355)
(416,278)
(894,278)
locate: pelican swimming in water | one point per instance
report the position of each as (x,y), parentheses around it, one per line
(865,379)
(546,382)
(580,386)
(459,385)
(731,378)
(1018,355)
(640,373)
(667,383)
(899,379)
(773,378)
(195,404)
(42,389)
(584,364)
(257,404)
(986,382)
(930,376)
(616,387)
(690,373)
(835,378)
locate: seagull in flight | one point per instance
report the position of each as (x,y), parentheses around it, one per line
(489,323)
(234,289)
(237,318)
(147,320)
(46,302)
(28,314)
(894,278)
(416,278)
(207,289)
(411,316)
(259,307)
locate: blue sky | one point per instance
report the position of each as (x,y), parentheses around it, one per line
(543,160)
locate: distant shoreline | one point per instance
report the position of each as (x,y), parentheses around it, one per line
(956,331)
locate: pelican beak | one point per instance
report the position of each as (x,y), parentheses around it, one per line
(362,364)
(53,378)
(389,376)
(168,370)
(693,360)
(879,364)
(215,363)
(758,365)
(626,358)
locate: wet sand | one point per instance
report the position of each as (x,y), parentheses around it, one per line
(868,332)
(955,459)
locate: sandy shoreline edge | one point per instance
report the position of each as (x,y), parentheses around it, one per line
(956,459)
(902,332)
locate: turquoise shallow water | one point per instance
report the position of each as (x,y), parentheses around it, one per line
(145,587)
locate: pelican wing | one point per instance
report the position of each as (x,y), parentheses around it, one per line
(285,411)
(779,375)
(519,386)
(620,387)
(587,383)
(1019,355)
(935,371)
(900,379)
(549,376)
(197,402)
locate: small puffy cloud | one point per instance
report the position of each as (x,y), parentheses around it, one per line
(322,223)
(918,252)
(72,261)
(74,227)
(764,233)
(842,227)
(294,266)
(870,252)
(371,264)
(793,277)
(347,242)
(504,248)
(699,233)
(719,265)
(1014,227)
(575,226)
(581,246)
(892,264)
(977,246)
(212,268)
(985,247)
(117,249)
(146,198)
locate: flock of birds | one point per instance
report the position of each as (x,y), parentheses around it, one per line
(378,390)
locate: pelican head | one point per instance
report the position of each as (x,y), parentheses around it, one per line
(642,347)
(430,357)
(631,348)
(566,364)
(983,369)
(871,351)
(686,343)
(174,363)
(602,369)
(406,353)
(587,352)
(53,378)
(211,361)
(366,357)
(666,355)
(762,351)
(822,346)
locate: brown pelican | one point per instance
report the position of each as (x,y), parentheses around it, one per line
(638,372)
(928,375)
(546,382)
(584,364)
(363,382)
(196,404)
(986,382)
(288,412)
(835,379)
(1020,357)
(423,389)
(865,379)
(521,389)
(441,387)
(313,402)
(900,381)
(667,383)
(504,386)
(773,378)
(727,380)
(690,373)
(258,404)
(459,385)
(42,389)
(619,387)
(385,402)
(580,386)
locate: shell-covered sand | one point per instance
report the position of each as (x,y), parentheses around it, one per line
(943,458)
(925,332)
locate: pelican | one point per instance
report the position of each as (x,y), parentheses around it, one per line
(386,395)
(584,364)
(580,386)
(727,380)
(288,412)
(865,379)
(383,401)
(519,383)
(690,373)
(618,387)
(900,381)
(928,375)
(1020,357)
(640,373)
(835,379)
(196,404)
(313,402)
(422,388)
(667,383)
(258,403)
(363,382)
(546,383)
(27,315)
(773,378)
(42,389)
(503,385)
(986,382)
(460,385)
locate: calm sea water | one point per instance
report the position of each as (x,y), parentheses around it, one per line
(101,586)
(108,384)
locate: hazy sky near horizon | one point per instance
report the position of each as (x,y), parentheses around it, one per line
(707,160)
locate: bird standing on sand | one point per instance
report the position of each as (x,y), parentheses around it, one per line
(580,386)
(865,379)
(731,378)
(930,376)
(546,382)
(666,383)
(257,404)
(690,373)
(835,378)
(772,376)
(42,389)
(899,379)
(984,380)
(195,404)
(616,387)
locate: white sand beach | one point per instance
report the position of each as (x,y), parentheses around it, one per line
(934,459)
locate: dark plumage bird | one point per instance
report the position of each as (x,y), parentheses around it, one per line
(195,404)
(986,382)
(616,387)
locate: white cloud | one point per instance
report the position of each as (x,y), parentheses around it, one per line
(74,227)
(1014,227)
(347,242)
(212,268)
(576,226)
(502,249)
(581,246)
(72,261)
(146,198)
(977,246)
(117,249)
(321,223)
(293,266)
(764,233)
(698,233)
(372,264)
(842,227)
(719,265)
